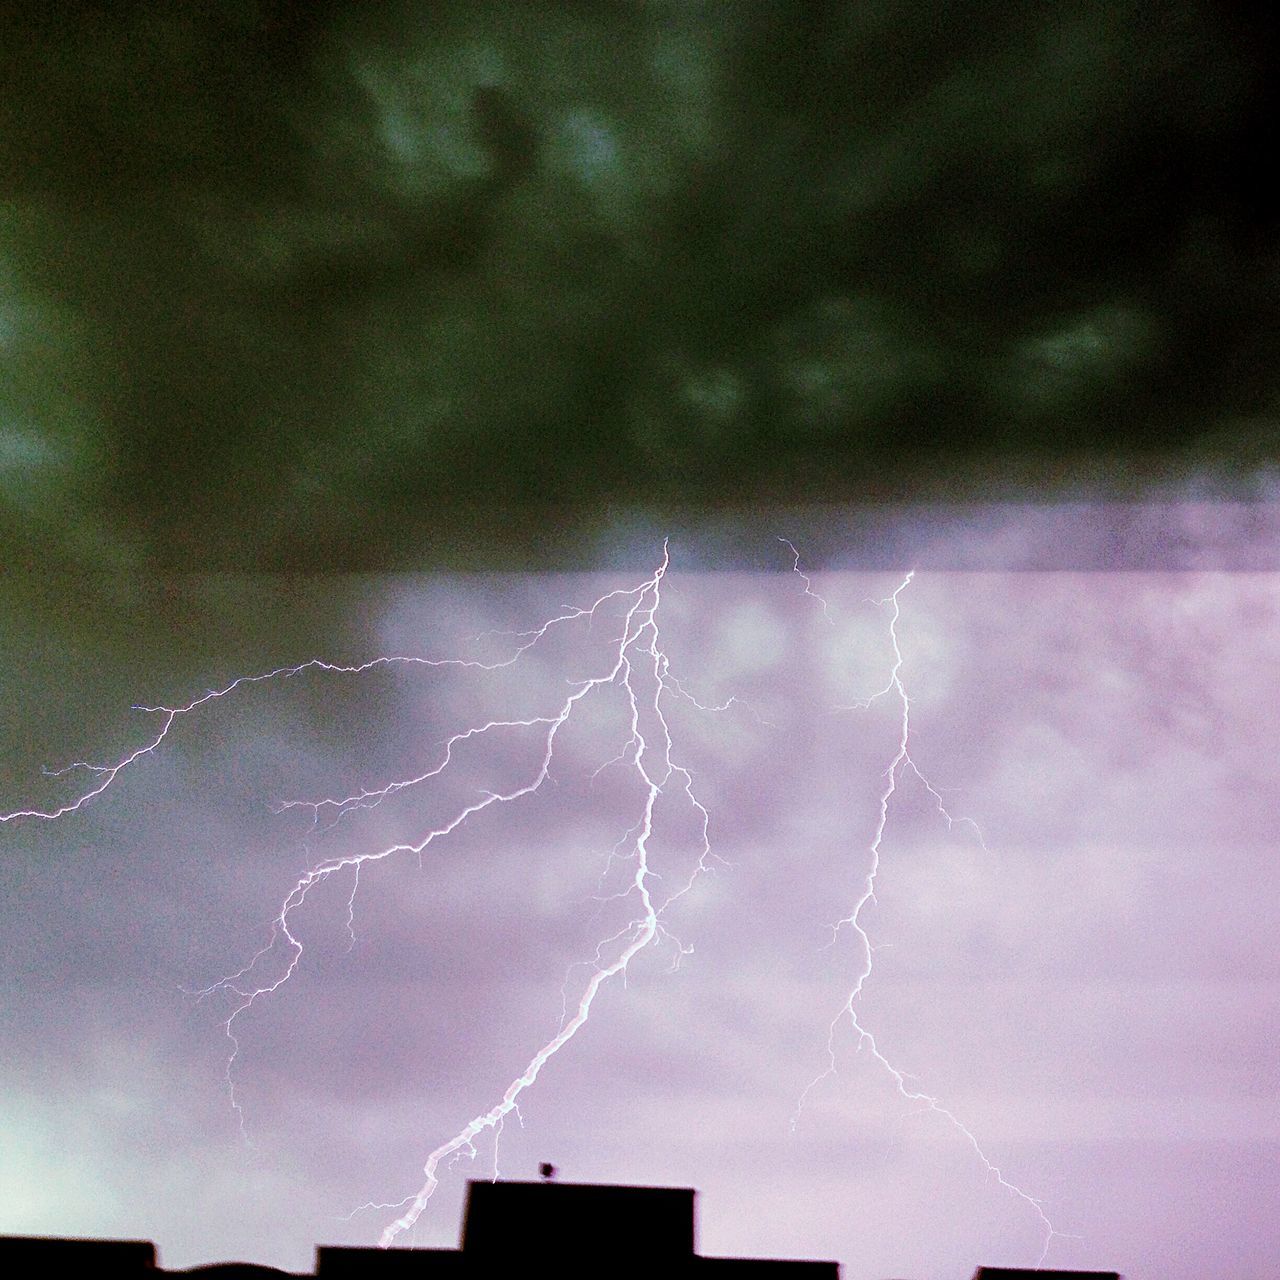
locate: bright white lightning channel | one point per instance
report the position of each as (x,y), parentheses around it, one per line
(901,763)
(638,665)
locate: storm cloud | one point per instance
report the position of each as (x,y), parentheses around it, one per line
(302,285)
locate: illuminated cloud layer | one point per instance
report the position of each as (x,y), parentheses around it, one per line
(1091,991)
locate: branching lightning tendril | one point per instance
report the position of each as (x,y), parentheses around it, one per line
(640,668)
(901,762)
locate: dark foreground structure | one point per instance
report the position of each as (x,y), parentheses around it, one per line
(1029,1273)
(510,1229)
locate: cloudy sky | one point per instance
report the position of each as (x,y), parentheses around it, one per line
(1088,981)
(384,330)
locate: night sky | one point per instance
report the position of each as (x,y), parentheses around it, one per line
(341,331)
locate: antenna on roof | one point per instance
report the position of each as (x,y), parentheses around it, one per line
(548,1172)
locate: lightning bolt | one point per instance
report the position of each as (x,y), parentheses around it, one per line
(654,764)
(901,763)
(106,774)
(639,666)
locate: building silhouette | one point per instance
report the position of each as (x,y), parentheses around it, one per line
(1027,1273)
(570,1230)
(554,1228)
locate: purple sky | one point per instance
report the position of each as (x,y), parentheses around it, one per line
(1091,986)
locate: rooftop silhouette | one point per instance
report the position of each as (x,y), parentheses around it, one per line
(1028,1273)
(555,1228)
(570,1229)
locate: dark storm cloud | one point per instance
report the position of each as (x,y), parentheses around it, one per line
(295,284)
